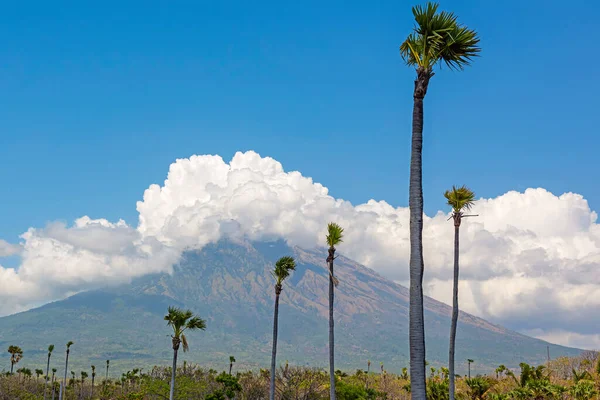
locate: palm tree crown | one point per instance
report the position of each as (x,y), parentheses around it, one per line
(460,199)
(50,349)
(283,268)
(180,321)
(438,37)
(335,233)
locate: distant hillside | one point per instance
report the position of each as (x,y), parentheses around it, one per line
(229,285)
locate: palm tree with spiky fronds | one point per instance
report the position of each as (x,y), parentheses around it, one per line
(469,362)
(335,233)
(283,267)
(181,321)
(461,199)
(231,361)
(50,350)
(437,38)
(69,344)
(93,379)
(83,376)
(16,354)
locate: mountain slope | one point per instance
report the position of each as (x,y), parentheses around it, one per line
(229,285)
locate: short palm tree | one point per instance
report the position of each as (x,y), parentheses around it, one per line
(231,361)
(469,362)
(15,356)
(335,233)
(181,321)
(83,376)
(38,373)
(460,199)
(283,267)
(52,382)
(69,344)
(50,350)
(436,38)
(93,379)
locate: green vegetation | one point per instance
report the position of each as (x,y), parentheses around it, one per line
(567,378)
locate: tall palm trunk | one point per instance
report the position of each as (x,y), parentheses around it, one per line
(12,366)
(47,377)
(417,322)
(66,369)
(454,308)
(176,343)
(274,351)
(330,259)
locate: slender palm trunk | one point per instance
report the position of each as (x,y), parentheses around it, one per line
(92,393)
(106,381)
(330,259)
(66,369)
(52,385)
(274,351)
(12,366)
(230,367)
(46,377)
(454,309)
(417,322)
(469,371)
(172,394)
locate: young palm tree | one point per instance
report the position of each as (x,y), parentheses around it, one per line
(52,382)
(83,376)
(231,361)
(437,37)
(460,199)
(181,321)
(50,350)
(282,270)
(93,379)
(335,233)
(69,344)
(15,356)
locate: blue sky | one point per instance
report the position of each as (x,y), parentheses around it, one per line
(97,101)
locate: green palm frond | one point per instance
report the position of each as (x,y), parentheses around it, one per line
(231,359)
(50,348)
(335,233)
(438,37)
(182,320)
(460,199)
(69,344)
(283,268)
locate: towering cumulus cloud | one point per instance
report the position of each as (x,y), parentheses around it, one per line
(529,260)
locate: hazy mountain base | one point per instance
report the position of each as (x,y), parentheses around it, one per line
(229,285)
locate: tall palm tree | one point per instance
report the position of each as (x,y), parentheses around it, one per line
(437,37)
(50,350)
(181,321)
(69,344)
(469,361)
(15,356)
(93,379)
(460,199)
(282,270)
(107,364)
(335,233)
(231,361)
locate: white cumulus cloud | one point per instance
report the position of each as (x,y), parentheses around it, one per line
(529,260)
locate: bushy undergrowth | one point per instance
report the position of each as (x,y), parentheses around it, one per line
(566,378)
